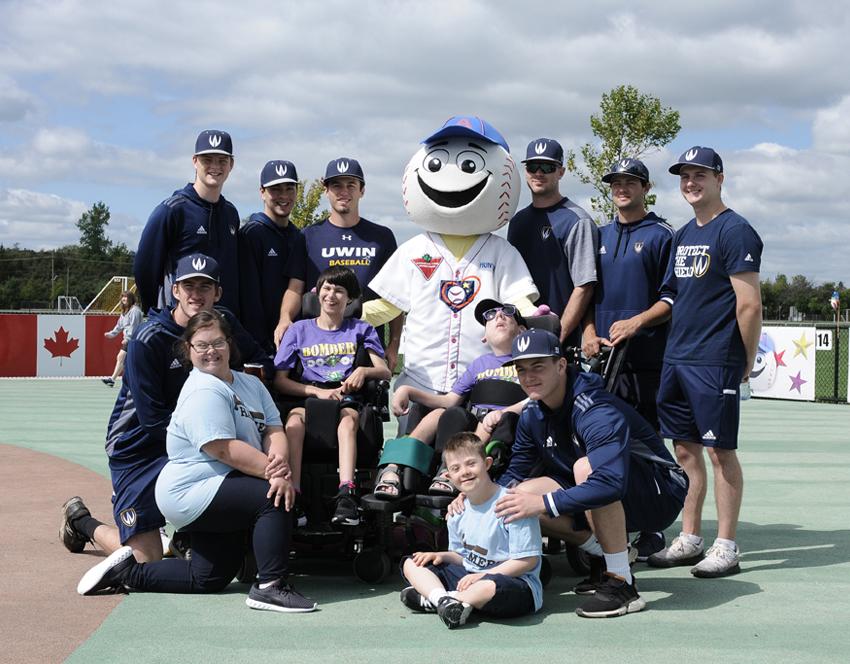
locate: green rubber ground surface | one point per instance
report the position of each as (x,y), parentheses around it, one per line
(790,603)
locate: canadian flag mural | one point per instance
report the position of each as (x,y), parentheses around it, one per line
(61,346)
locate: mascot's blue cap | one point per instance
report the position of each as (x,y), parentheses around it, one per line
(469,125)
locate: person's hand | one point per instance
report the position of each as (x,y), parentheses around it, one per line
(334,394)
(391,356)
(624,329)
(468,580)
(401,401)
(491,420)
(519,505)
(456,506)
(592,347)
(354,382)
(280,330)
(278,466)
(421,558)
(280,488)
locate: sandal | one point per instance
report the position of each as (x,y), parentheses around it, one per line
(388,488)
(441,485)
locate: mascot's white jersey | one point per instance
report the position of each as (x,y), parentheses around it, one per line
(424,276)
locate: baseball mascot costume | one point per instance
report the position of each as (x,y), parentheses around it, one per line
(461,185)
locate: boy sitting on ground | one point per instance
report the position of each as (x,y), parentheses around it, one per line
(502,323)
(326,347)
(492,566)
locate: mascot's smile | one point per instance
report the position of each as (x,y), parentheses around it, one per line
(452,199)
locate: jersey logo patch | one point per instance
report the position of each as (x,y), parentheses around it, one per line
(602,250)
(427,265)
(201,231)
(749,258)
(545,232)
(346,237)
(128,517)
(709,435)
(175,364)
(272,252)
(638,247)
(459,293)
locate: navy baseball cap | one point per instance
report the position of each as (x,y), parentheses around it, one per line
(544,149)
(486,305)
(196,265)
(469,125)
(214,141)
(278,172)
(343,166)
(627,166)
(698,156)
(535,343)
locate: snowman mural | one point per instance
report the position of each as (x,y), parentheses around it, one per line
(459,186)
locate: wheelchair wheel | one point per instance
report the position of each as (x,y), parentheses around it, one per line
(372,565)
(578,559)
(545,571)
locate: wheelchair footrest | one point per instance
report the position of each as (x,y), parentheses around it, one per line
(374,504)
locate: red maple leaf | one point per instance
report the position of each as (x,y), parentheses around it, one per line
(60,345)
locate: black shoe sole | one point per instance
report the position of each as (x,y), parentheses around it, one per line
(717,575)
(455,615)
(665,564)
(632,606)
(71,539)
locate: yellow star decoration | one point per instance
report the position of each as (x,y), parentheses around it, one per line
(802,344)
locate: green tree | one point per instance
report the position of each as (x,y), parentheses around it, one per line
(629,124)
(304,212)
(92,225)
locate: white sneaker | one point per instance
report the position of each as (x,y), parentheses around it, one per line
(682,551)
(719,561)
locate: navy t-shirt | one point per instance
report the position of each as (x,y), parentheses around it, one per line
(704,328)
(363,248)
(269,255)
(633,260)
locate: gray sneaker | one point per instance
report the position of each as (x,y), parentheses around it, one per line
(680,552)
(719,561)
(281,597)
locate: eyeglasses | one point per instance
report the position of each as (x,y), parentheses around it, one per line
(203,346)
(508,310)
(546,167)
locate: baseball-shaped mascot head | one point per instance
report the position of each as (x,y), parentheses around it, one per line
(763,373)
(463,180)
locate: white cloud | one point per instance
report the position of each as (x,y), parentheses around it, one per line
(831,128)
(37,220)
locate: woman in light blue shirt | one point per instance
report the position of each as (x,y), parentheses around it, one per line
(227,471)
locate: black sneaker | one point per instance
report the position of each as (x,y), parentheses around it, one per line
(347,510)
(411,598)
(648,543)
(73,509)
(279,597)
(108,381)
(613,598)
(453,612)
(110,573)
(589,585)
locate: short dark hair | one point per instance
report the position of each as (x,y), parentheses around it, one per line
(199,321)
(465,441)
(340,276)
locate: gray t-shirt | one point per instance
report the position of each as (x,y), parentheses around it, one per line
(208,409)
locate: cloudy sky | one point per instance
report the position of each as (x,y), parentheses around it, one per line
(103,100)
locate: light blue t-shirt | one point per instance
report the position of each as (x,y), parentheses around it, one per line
(208,409)
(485,540)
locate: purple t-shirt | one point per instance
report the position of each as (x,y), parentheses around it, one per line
(327,356)
(485,367)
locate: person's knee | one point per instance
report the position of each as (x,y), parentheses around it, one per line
(721,458)
(348,421)
(147,546)
(582,470)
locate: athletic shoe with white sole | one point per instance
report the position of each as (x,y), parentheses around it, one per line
(719,561)
(411,598)
(613,598)
(680,552)
(74,541)
(347,508)
(280,597)
(453,612)
(111,572)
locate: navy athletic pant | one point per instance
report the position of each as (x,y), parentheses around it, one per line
(218,542)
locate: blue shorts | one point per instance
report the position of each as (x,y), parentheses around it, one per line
(513,596)
(654,497)
(700,404)
(133,502)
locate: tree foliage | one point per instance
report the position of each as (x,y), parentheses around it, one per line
(629,124)
(92,225)
(810,300)
(304,212)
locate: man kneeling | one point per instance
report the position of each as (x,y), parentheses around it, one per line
(492,566)
(591,455)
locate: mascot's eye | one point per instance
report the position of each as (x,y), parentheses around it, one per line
(470,162)
(435,160)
